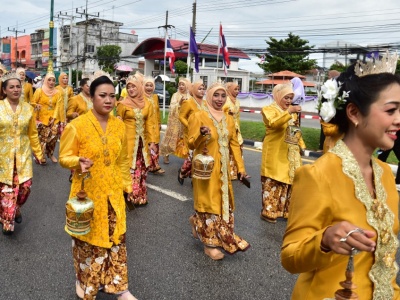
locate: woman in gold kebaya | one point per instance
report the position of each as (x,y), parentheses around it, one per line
(18,135)
(279,158)
(189,107)
(96,142)
(50,115)
(232,106)
(81,103)
(66,90)
(27,90)
(138,115)
(149,86)
(346,202)
(213,221)
(173,141)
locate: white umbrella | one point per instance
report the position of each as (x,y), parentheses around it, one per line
(162,78)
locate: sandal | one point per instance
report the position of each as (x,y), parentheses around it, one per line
(213,253)
(126,296)
(79,291)
(180,179)
(159,171)
(166,159)
(269,220)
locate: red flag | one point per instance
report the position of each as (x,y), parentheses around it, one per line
(224,48)
(169,52)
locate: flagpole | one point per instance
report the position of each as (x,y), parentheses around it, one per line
(165,67)
(188,62)
(219,45)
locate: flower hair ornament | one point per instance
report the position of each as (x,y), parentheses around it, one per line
(330,92)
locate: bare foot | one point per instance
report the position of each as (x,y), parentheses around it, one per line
(126,296)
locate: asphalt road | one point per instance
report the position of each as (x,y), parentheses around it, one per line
(256,117)
(164,261)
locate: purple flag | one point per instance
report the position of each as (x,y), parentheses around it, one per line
(194,50)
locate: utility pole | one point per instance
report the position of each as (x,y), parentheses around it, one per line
(166,26)
(16,31)
(63,16)
(85,12)
(189,58)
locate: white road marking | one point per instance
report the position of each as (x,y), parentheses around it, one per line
(167,192)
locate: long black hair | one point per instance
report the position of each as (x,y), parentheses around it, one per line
(363,91)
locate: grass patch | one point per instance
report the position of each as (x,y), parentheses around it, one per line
(255,131)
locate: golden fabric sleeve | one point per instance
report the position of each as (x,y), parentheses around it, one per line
(272,120)
(123,163)
(150,125)
(69,148)
(72,107)
(184,112)
(194,136)
(34,138)
(59,111)
(309,215)
(235,147)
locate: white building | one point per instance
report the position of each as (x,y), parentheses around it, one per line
(97,32)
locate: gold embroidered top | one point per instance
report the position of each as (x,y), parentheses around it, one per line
(216,194)
(234,110)
(139,123)
(156,115)
(79,104)
(188,108)
(27,92)
(18,135)
(330,191)
(110,176)
(67,94)
(276,158)
(51,107)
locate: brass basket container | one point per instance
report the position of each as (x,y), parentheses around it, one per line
(203,164)
(79,212)
(292,134)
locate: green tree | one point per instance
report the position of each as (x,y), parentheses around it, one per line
(107,56)
(181,68)
(398,67)
(338,66)
(288,54)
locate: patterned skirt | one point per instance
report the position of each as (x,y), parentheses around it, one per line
(139,176)
(11,200)
(186,169)
(154,164)
(48,136)
(213,231)
(275,198)
(101,268)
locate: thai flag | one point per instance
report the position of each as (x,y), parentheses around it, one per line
(224,48)
(169,52)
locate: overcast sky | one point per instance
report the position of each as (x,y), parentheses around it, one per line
(246,23)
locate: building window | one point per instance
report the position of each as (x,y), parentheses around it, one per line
(89,49)
(205,81)
(237,80)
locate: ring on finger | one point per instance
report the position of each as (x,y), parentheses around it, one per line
(344,239)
